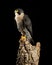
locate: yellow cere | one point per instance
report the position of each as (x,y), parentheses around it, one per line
(16,10)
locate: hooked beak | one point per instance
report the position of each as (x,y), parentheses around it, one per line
(16,11)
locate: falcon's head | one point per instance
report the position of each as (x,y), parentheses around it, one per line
(19,13)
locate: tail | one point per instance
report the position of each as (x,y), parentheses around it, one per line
(28,35)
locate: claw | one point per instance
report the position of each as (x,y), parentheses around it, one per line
(23,38)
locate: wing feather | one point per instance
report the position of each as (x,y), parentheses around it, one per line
(28,24)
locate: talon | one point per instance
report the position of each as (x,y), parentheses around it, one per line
(23,38)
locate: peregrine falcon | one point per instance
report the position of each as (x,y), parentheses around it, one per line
(24,24)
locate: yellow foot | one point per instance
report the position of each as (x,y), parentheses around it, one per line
(23,38)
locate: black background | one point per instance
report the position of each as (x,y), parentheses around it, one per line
(10,35)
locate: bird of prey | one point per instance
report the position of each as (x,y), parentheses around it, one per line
(24,24)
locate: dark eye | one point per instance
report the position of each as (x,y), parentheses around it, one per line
(18,13)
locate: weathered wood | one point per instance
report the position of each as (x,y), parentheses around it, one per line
(27,53)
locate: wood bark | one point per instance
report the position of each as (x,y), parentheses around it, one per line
(27,53)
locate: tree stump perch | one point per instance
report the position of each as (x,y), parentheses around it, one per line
(27,53)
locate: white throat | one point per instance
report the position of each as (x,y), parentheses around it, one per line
(18,17)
